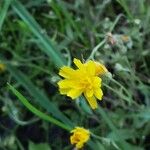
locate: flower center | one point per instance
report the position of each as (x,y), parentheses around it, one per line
(87,83)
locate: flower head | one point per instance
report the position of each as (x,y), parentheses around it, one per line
(83,80)
(80,137)
(2,67)
(125,38)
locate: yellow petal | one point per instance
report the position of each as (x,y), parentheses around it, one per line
(66,72)
(66,83)
(89,93)
(92,101)
(79,137)
(64,91)
(98,93)
(63,83)
(100,69)
(97,82)
(90,65)
(78,63)
(73,140)
(79,145)
(74,93)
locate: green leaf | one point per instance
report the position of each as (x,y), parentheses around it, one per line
(44,41)
(125,6)
(108,121)
(38,95)
(13,112)
(145,113)
(84,106)
(3,12)
(36,111)
(41,146)
(95,145)
(123,133)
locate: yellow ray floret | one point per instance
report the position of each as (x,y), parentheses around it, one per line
(83,80)
(79,137)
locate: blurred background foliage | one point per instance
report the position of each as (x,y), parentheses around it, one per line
(38,37)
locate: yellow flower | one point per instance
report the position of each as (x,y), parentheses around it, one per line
(80,137)
(83,80)
(2,67)
(100,69)
(125,38)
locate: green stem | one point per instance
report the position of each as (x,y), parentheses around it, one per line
(117,93)
(96,49)
(115,22)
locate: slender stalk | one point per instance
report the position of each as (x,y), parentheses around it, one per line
(96,49)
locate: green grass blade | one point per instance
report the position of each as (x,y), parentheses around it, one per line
(3,12)
(68,16)
(93,145)
(37,31)
(36,111)
(38,95)
(13,113)
(124,4)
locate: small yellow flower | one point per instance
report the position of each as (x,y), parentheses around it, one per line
(100,69)
(125,38)
(84,80)
(2,67)
(80,137)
